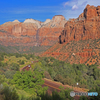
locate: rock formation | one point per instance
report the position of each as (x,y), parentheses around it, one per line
(79,42)
(16,21)
(33,21)
(86,26)
(32,32)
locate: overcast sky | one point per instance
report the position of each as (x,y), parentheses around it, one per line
(41,9)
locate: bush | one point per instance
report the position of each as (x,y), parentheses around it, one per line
(59,78)
(21,62)
(96,89)
(29,98)
(14,66)
(10,93)
(17,55)
(47,75)
(62,95)
(1,56)
(2,78)
(9,74)
(27,80)
(83,98)
(27,57)
(3,64)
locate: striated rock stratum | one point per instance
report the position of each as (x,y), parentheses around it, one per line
(79,42)
(32,32)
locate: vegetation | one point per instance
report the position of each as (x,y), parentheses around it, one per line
(23,49)
(27,80)
(62,95)
(86,76)
(27,85)
(95,89)
(9,93)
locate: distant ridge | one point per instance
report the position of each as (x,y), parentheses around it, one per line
(32,32)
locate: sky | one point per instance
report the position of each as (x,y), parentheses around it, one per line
(41,10)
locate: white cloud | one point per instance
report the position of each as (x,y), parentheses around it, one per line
(74,7)
(69,9)
(84,3)
(65,4)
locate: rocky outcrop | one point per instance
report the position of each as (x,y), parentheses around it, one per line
(16,21)
(32,32)
(57,21)
(44,23)
(48,33)
(86,26)
(85,54)
(33,21)
(79,42)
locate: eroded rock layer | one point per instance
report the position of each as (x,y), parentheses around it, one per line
(86,26)
(32,32)
(79,42)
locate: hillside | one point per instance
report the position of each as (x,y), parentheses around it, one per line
(23,49)
(83,51)
(30,84)
(79,42)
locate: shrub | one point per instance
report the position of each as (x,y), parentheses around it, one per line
(83,98)
(14,66)
(2,78)
(21,62)
(9,74)
(10,93)
(47,75)
(27,80)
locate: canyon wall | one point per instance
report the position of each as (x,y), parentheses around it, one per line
(79,42)
(86,26)
(32,32)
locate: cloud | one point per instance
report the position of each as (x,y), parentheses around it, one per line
(84,3)
(74,7)
(65,4)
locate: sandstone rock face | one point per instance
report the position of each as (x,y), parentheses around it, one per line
(86,26)
(57,21)
(32,32)
(79,42)
(16,21)
(50,31)
(33,21)
(28,29)
(47,21)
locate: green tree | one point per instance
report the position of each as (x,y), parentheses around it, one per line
(83,98)
(2,78)
(10,93)
(14,66)
(59,78)
(1,57)
(9,74)
(29,81)
(96,89)
(21,62)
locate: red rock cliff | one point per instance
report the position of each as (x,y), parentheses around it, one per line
(79,42)
(86,26)
(32,32)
